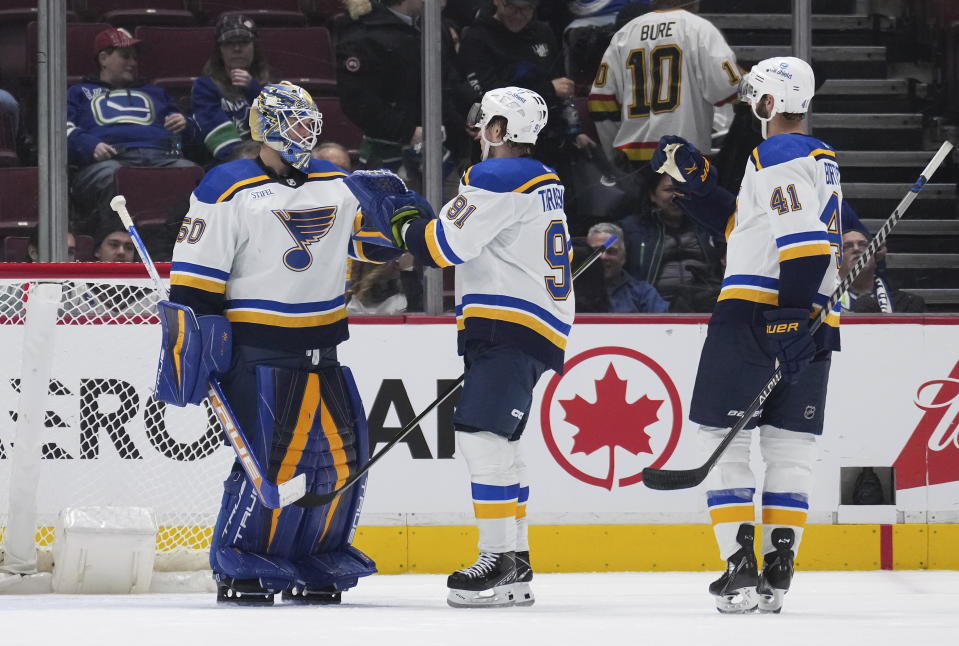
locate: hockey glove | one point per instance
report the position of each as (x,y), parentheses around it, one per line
(382,196)
(695,183)
(788,332)
(193,351)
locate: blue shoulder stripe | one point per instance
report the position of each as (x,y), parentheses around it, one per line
(223,181)
(509,175)
(787,147)
(201,270)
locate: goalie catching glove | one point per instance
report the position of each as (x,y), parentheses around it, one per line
(193,352)
(388,206)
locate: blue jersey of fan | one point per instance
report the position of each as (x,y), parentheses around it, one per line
(270,253)
(506,233)
(785,239)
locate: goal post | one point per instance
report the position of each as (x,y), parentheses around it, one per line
(86,431)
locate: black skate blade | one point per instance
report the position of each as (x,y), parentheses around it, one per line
(322,597)
(230,597)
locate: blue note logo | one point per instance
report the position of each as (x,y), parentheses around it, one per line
(305,226)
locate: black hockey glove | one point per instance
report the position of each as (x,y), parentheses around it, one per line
(788,331)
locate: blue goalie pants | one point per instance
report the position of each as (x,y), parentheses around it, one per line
(301,414)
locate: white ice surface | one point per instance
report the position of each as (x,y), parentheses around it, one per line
(670,609)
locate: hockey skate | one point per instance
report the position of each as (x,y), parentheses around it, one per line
(242,592)
(777,571)
(735,590)
(322,596)
(522,592)
(488,583)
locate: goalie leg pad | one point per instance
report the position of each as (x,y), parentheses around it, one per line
(310,420)
(239,539)
(193,351)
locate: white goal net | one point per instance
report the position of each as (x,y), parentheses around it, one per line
(103,439)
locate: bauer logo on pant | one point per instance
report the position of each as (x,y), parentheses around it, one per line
(613,412)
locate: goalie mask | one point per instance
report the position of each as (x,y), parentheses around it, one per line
(788,80)
(524,110)
(285,118)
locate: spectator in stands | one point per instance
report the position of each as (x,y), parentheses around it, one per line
(114,245)
(377,289)
(870,293)
(232,78)
(505,47)
(662,74)
(378,77)
(590,290)
(672,252)
(626,294)
(116,120)
(335,154)
(33,247)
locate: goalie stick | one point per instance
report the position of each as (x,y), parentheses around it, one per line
(670,479)
(320,499)
(271,495)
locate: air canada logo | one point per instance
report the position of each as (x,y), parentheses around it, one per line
(613,412)
(931,456)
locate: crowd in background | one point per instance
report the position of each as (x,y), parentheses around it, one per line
(663,260)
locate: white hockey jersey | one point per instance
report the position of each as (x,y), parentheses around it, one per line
(270,253)
(661,75)
(506,232)
(788,210)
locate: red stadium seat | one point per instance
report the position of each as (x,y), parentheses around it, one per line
(15,58)
(84,250)
(19,200)
(154,193)
(80,58)
(276,13)
(15,249)
(325,11)
(303,56)
(131,14)
(173,57)
(336,126)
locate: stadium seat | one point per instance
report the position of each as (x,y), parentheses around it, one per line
(173,57)
(84,250)
(80,59)
(19,200)
(303,56)
(131,14)
(14,56)
(325,11)
(15,249)
(336,126)
(8,140)
(153,194)
(278,13)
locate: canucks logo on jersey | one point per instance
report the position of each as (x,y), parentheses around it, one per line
(305,226)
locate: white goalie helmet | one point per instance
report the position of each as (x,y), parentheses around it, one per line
(525,112)
(789,80)
(285,118)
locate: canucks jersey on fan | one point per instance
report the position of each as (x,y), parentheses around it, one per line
(662,74)
(508,222)
(791,193)
(293,302)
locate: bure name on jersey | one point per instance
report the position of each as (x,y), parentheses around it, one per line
(656,31)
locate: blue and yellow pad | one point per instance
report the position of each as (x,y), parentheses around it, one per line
(193,351)
(308,424)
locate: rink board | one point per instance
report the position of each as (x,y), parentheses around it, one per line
(621,406)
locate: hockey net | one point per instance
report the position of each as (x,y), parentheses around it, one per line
(104,440)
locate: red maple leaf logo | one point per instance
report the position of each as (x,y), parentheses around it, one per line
(611,421)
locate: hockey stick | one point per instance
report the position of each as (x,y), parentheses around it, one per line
(320,499)
(669,479)
(271,495)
